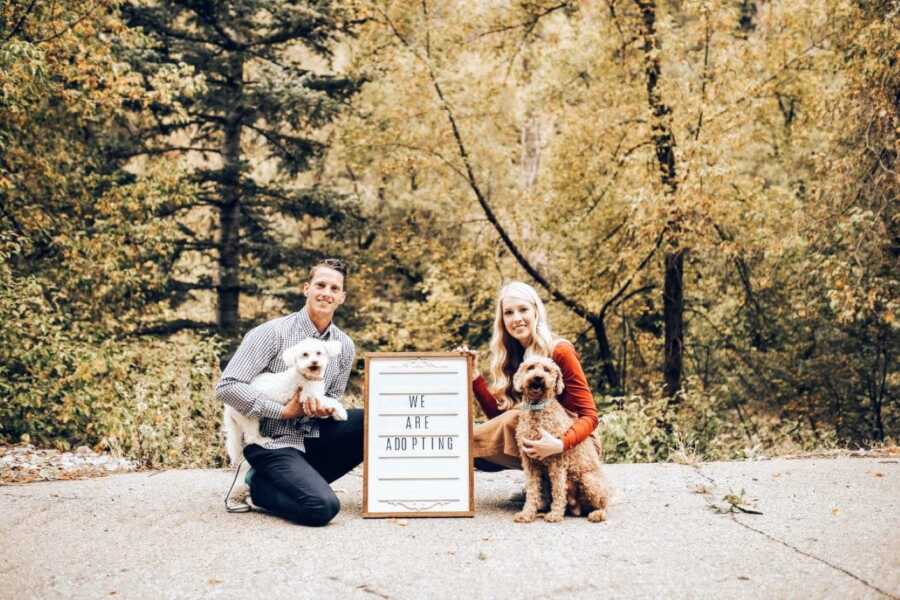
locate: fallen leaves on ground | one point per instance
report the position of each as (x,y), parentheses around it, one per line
(26,464)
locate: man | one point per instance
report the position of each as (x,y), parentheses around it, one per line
(290,475)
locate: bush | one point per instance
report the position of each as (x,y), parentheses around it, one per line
(150,401)
(66,383)
(700,426)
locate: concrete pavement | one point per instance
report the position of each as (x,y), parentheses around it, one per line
(829,528)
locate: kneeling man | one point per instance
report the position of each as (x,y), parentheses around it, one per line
(291,473)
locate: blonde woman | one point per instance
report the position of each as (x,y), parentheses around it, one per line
(521,328)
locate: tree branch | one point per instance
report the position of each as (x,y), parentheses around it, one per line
(210,19)
(140,20)
(532,24)
(164,150)
(18,26)
(555,292)
(187,286)
(70,25)
(172,327)
(620,161)
(705,76)
(627,284)
(528,23)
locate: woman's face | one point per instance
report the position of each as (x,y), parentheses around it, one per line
(518,319)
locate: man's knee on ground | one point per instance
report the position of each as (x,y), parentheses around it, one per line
(318,510)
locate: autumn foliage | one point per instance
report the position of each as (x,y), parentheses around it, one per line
(704,192)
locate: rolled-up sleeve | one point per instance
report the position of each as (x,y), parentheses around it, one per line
(485,398)
(576,396)
(252,357)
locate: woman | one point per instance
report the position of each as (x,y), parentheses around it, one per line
(521,328)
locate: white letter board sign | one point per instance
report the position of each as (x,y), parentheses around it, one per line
(418,435)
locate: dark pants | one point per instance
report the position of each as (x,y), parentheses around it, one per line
(293,484)
(488,466)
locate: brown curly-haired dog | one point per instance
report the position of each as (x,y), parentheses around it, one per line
(539,380)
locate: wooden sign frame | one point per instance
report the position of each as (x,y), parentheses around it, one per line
(418,356)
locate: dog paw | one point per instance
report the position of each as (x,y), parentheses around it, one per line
(340,413)
(597,516)
(553,517)
(524,517)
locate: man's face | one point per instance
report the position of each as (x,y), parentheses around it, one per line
(325,291)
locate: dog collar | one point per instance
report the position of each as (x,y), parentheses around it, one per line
(539,406)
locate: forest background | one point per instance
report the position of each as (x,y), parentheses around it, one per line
(704,193)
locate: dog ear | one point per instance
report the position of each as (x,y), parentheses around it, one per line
(291,355)
(560,386)
(518,377)
(333,348)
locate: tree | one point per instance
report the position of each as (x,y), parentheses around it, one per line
(577,145)
(425,38)
(75,220)
(581,144)
(254,95)
(664,147)
(83,258)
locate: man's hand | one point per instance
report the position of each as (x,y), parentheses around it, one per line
(545,446)
(293,408)
(312,407)
(301,405)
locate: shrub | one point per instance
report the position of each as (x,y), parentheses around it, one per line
(700,425)
(150,401)
(66,383)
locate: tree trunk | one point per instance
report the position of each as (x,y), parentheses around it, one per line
(230,211)
(664,144)
(879,422)
(879,388)
(673,315)
(606,357)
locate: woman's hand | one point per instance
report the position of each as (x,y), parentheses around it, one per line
(545,446)
(465,350)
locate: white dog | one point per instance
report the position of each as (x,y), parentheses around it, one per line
(306,363)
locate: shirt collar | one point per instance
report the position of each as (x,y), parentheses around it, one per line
(309,328)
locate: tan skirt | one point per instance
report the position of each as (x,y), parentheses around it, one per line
(495,440)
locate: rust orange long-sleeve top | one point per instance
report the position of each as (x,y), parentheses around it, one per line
(576,396)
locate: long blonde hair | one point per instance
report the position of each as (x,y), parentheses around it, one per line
(506,352)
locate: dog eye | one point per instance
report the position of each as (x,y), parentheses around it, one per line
(305,354)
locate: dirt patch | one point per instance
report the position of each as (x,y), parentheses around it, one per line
(875,452)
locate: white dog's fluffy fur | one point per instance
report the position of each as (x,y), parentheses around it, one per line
(306,363)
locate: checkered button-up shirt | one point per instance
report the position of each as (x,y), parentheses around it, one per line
(261,351)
